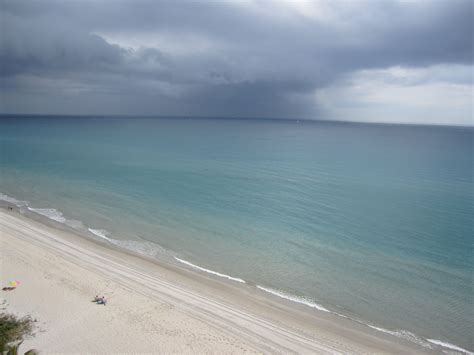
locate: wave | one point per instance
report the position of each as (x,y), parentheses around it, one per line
(141,247)
(298,299)
(404,334)
(210,271)
(102,233)
(13,200)
(449,346)
(146,248)
(51,213)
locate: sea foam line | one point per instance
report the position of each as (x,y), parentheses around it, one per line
(298,299)
(449,346)
(209,271)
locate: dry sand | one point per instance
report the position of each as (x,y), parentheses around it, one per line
(155,307)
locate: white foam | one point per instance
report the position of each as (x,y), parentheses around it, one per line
(298,299)
(51,213)
(448,346)
(142,247)
(382,329)
(416,339)
(402,334)
(102,233)
(209,271)
(13,200)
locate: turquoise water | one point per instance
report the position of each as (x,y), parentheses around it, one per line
(370,221)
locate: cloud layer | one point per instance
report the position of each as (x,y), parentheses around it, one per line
(243,58)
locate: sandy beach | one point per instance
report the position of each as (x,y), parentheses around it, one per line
(155,307)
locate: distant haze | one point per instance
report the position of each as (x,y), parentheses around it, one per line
(375,61)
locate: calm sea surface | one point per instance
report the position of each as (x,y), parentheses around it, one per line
(374,222)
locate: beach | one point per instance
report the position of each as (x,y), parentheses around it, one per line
(153,307)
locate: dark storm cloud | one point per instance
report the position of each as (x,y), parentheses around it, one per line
(233,58)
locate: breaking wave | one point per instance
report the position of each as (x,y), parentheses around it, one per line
(209,271)
(448,346)
(51,213)
(298,299)
(102,233)
(13,200)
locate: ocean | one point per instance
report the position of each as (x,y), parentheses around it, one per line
(368,221)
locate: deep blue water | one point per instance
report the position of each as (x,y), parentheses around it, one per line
(371,221)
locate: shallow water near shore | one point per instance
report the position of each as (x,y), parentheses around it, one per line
(373,222)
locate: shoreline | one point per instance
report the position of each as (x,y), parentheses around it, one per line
(169,259)
(251,318)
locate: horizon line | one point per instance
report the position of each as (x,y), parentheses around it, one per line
(243,118)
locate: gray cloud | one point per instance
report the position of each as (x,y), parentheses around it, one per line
(257,59)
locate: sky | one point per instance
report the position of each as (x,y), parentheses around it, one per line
(359,60)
